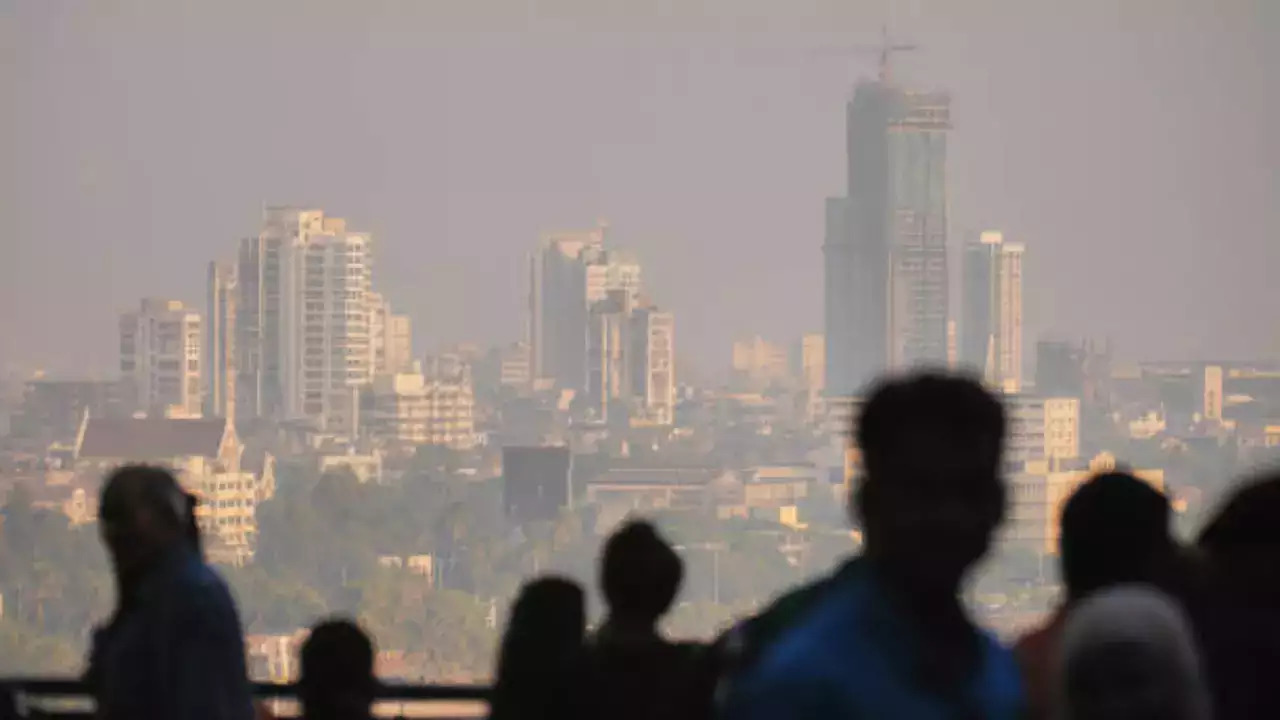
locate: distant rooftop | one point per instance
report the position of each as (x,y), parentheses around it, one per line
(152,438)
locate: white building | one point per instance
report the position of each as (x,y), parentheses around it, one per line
(160,356)
(303,330)
(653,336)
(1041,429)
(432,408)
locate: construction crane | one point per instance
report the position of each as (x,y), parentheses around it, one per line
(885,50)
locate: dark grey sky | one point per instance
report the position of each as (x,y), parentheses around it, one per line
(1134,146)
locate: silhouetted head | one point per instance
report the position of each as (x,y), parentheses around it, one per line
(1128,653)
(640,575)
(931,493)
(337,671)
(1242,542)
(1115,529)
(542,642)
(143,514)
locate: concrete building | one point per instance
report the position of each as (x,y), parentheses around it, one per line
(558,306)
(570,272)
(992,307)
(1038,493)
(653,338)
(1041,429)
(205,456)
(413,408)
(515,370)
(160,355)
(450,394)
(609,348)
(52,410)
(885,252)
(303,321)
(392,337)
(219,342)
(812,361)
(758,363)
(631,361)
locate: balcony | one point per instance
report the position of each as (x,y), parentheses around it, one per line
(62,698)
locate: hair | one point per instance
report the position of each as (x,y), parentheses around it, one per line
(540,647)
(640,573)
(337,658)
(1115,529)
(930,429)
(146,487)
(1247,518)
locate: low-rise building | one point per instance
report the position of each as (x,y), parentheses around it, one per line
(1037,495)
(204,454)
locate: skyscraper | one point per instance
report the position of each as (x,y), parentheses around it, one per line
(570,272)
(303,319)
(653,373)
(558,306)
(219,344)
(992,307)
(160,358)
(885,251)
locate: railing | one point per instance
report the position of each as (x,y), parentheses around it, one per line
(62,699)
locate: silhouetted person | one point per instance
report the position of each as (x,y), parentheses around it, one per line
(889,637)
(338,680)
(1128,653)
(634,672)
(173,650)
(1114,530)
(8,707)
(1240,617)
(540,661)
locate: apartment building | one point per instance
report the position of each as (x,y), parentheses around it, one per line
(160,358)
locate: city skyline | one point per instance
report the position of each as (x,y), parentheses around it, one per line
(706,252)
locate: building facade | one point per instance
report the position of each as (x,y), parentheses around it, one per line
(392,337)
(160,358)
(569,274)
(758,363)
(219,344)
(885,251)
(992,307)
(1041,428)
(303,340)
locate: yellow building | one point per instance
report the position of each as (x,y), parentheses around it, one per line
(1036,498)
(204,455)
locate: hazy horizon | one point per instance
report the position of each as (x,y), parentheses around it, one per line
(1133,149)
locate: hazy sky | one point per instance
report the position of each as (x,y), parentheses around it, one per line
(1133,146)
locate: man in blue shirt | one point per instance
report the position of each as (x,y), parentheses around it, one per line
(888,637)
(173,650)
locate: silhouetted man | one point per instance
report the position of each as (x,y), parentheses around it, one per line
(1115,530)
(173,650)
(888,637)
(337,673)
(634,671)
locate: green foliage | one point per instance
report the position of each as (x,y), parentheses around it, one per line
(56,586)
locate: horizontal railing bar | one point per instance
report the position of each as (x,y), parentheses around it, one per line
(386,691)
